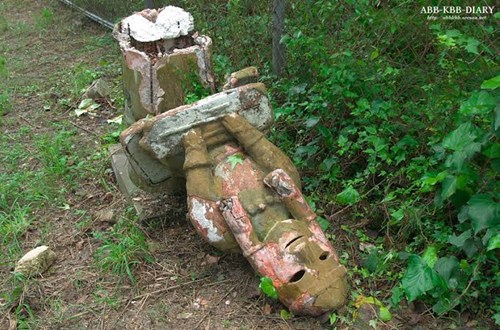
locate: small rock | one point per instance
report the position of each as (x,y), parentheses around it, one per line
(266,310)
(99,88)
(184,315)
(210,260)
(105,215)
(36,261)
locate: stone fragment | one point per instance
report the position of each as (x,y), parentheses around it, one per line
(242,77)
(105,215)
(99,88)
(36,261)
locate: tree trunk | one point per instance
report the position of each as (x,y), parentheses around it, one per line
(278,30)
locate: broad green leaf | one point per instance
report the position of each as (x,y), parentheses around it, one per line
(266,286)
(449,268)
(286,315)
(458,139)
(234,160)
(484,212)
(493,151)
(449,186)
(397,295)
(349,196)
(385,314)
(492,83)
(458,158)
(478,103)
(444,305)
(494,243)
(323,223)
(419,278)
(459,241)
(312,121)
(471,46)
(430,256)
(398,215)
(497,117)
(496,317)
(333,318)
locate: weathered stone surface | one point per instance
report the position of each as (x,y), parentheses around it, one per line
(150,202)
(36,261)
(242,77)
(163,136)
(153,147)
(161,58)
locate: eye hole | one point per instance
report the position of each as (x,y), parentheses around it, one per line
(293,240)
(297,276)
(324,255)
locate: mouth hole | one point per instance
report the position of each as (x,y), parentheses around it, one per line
(324,255)
(293,240)
(297,276)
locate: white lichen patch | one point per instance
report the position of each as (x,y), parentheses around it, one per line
(199,212)
(172,22)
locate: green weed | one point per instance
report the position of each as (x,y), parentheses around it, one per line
(82,78)
(14,222)
(14,296)
(5,105)
(122,249)
(55,151)
(44,19)
(4,24)
(4,71)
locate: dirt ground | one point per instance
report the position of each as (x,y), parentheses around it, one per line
(189,285)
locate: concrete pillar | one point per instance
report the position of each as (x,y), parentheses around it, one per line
(161,56)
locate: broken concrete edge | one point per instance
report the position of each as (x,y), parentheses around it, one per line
(144,126)
(146,70)
(162,136)
(147,205)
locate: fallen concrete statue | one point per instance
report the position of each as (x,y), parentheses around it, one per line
(243,192)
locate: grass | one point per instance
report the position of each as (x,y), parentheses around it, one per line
(44,19)
(122,249)
(45,158)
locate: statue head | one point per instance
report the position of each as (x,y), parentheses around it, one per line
(310,278)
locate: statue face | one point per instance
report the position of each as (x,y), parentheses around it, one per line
(312,281)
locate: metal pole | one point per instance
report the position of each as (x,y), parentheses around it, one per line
(89,14)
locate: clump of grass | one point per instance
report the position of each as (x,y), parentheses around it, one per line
(54,152)
(122,249)
(5,105)
(44,19)
(4,25)
(4,72)
(14,221)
